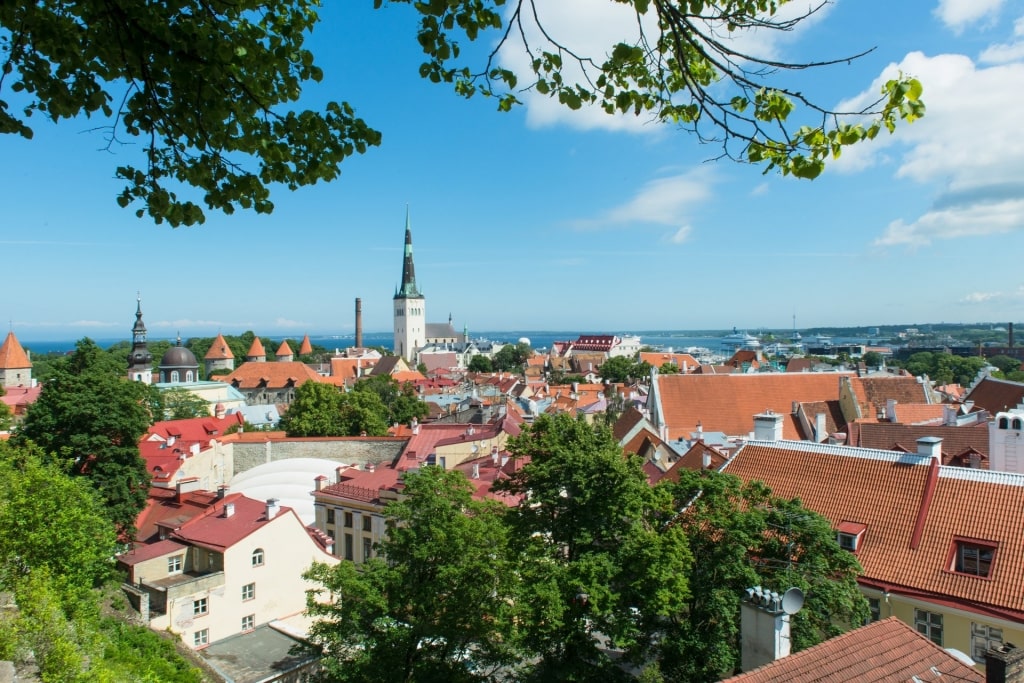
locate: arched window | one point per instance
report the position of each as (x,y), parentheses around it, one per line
(1017,423)
(1004,423)
(257,557)
(174,376)
(188,376)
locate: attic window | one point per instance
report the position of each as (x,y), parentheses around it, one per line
(972,557)
(850,535)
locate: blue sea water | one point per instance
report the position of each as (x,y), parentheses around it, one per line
(539,339)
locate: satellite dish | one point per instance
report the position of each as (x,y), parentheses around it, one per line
(792,600)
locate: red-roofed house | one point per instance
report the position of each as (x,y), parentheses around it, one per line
(190,449)
(234,565)
(941,547)
(267,383)
(351,509)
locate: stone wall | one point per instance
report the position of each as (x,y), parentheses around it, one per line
(351,451)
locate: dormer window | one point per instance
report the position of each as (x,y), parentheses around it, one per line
(850,535)
(973,557)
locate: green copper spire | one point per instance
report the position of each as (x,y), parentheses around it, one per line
(408,290)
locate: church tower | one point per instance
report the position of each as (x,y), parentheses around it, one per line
(140,360)
(410,306)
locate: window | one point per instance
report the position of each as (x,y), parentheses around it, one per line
(367,521)
(174,564)
(367,549)
(330,515)
(200,638)
(875,607)
(848,542)
(348,546)
(249,591)
(174,376)
(348,520)
(983,639)
(199,607)
(257,557)
(850,535)
(974,558)
(248,622)
(930,624)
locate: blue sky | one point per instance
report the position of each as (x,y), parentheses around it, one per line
(547,219)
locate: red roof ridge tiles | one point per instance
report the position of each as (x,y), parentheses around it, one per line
(12,356)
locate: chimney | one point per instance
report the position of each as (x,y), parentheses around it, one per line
(890,410)
(768,426)
(415,426)
(949,415)
(272,508)
(476,470)
(819,427)
(229,509)
(930,447)
(219,411)
(186,486)
(1004,664)
(700,431)
(359,323)
(222,491)
(705,459)
(370,467)
(318,483)
(764,625)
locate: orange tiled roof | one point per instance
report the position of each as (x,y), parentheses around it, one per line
(12,356)
(728,403)
(305,348)
(684,361)
(219,349)
(272,375)
(874,392)
(885,651)
(256,349)
(918,413)
(284,349)
(886,435)
(914,510)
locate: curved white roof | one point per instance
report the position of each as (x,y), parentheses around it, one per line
(290,481)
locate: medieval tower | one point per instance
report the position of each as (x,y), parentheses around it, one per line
(410,306)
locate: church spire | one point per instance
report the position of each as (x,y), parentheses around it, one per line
(408,290)
(140,360)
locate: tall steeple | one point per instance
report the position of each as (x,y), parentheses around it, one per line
(140,360)
(408,288)
(410,306)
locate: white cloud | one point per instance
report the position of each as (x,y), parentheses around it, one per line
(681,235)
(591,29)
(958,14)
(980,297)
(1006,52)
(967,151)
(285,322)
(662,201)
(91,323)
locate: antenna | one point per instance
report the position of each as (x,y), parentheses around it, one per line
(792,601)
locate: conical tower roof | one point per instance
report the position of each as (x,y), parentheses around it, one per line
(219,350)
(284,349)
(306,348)
(256,350)
(12,356)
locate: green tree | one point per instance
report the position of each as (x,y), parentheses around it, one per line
(315,411)
(595,554)
(511,357)
(435,605)
(669,369)
(480,363)
(65,532)
(363,412)
(400,401)
(1006,364)
(621,369)
(182,404)
(873,359)
(93,419)
(742,536)
(6,416)
(209,88)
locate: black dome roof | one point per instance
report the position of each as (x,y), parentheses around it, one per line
(178,357)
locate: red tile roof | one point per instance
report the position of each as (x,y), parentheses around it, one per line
(164,507)
(886,651)
(212,530)
(253,375)
(12,356)
(874,392)
(305,348)
(906,500)
(219,349)
(18,399)
(684,361)
(886,436)
(996,395)
(728,403)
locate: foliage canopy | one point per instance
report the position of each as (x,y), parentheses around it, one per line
(209,88)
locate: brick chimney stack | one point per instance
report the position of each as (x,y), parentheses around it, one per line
(359,323)
(1004,664)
